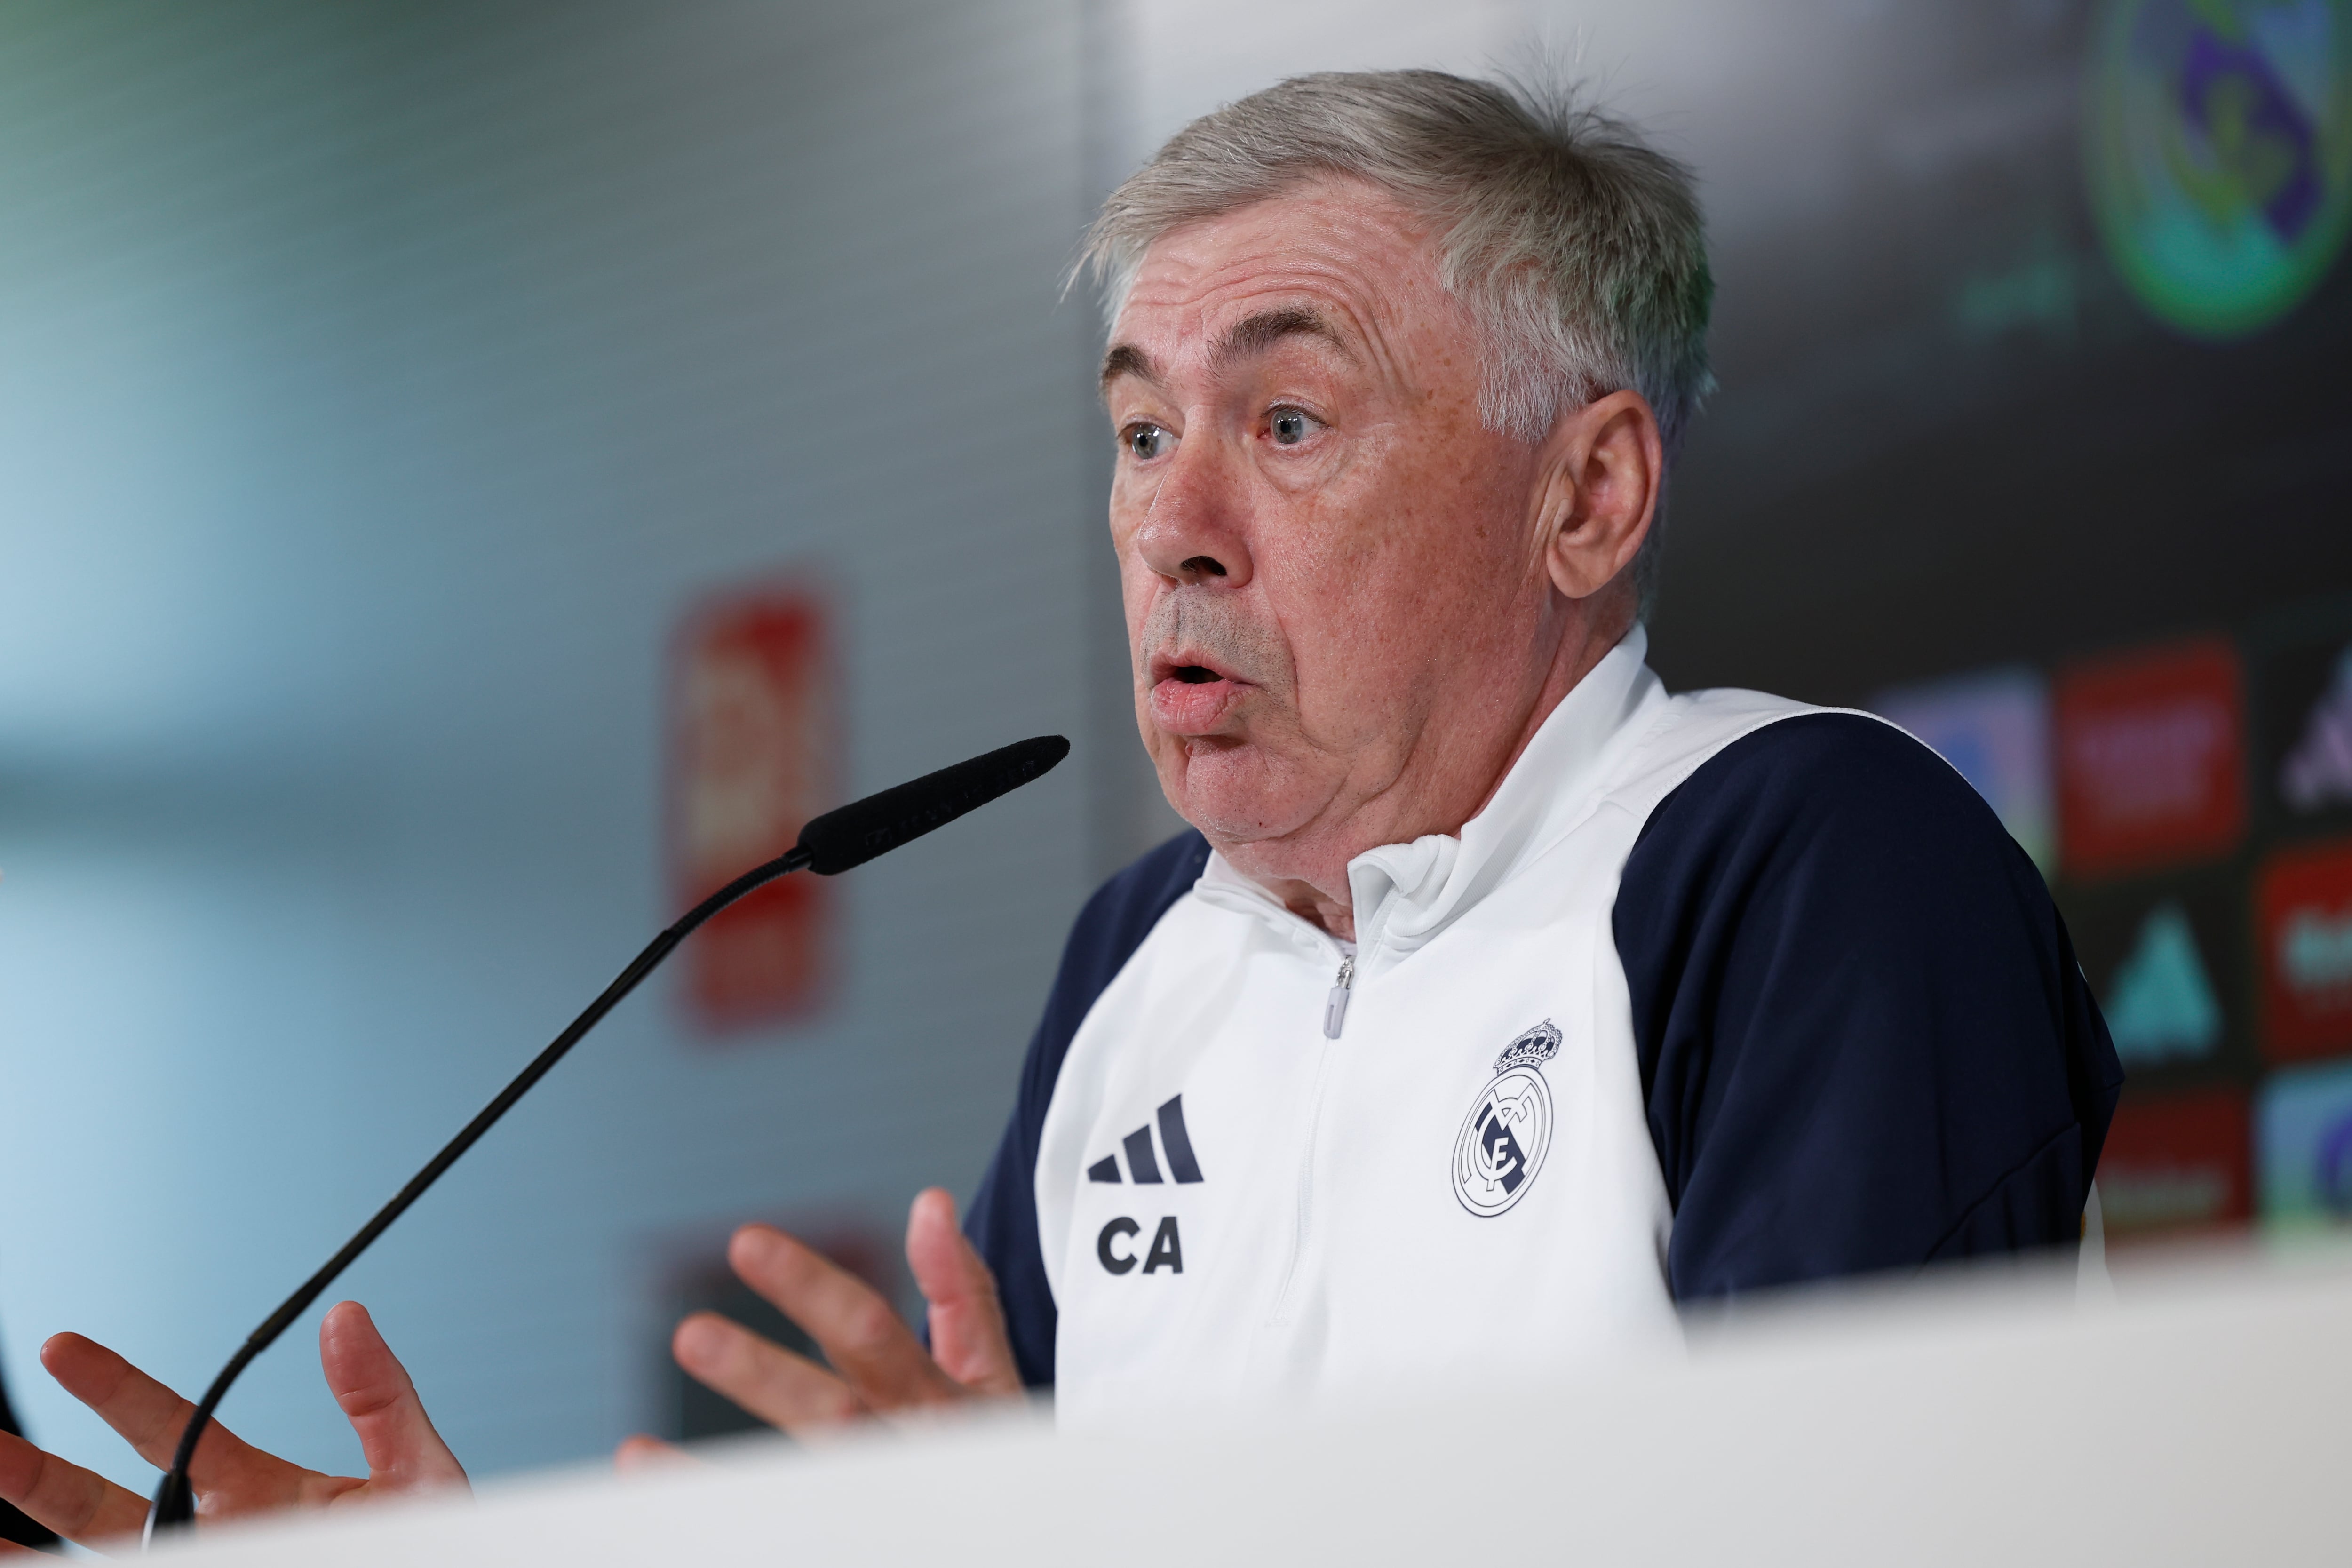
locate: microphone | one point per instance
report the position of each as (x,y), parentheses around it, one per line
(847,837)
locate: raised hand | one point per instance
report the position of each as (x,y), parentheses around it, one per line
(405,1454)
(878,1366)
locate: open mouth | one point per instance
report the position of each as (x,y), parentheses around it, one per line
(1189,666)
(1188,698)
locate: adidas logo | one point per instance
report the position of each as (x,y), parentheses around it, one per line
(2160,1002)
(1143,1166)
(2318,772)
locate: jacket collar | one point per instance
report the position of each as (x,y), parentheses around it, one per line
(1406,894)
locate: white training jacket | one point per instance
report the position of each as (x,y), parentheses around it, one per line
(1260,1163)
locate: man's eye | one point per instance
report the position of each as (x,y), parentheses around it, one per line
(1145,442)
(1291,426)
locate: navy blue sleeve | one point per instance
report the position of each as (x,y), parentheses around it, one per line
(1002,1220)
(1864,1040)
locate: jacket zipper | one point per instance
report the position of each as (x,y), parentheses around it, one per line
(1303,1212)
(1335,1017)
(1335,1007)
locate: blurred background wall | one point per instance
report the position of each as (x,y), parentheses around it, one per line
(465,471)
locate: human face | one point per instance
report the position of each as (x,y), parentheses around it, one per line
(1336,590)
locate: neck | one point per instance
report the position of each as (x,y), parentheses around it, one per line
(1317,891)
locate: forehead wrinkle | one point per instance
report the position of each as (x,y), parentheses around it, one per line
(1364,288)
(1363,297)
(1261,330)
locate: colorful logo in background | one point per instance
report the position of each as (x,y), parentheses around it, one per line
(2151,767)
(2219,151)
(754,746)
(2306,1146)
(1994,728)
(2317,772)
(2159,1003)
(2174,1163)
(2165,956)
(2303,920)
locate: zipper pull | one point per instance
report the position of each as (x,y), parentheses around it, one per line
(1335,1007)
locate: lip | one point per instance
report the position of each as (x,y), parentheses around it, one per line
(1194,707)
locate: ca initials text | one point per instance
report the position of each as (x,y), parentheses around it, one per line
(1115,1247)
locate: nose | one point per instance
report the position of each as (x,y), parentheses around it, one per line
(1193,529)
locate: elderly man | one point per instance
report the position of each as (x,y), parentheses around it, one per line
(1500,1002)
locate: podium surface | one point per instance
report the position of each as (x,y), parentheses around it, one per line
(2198,1418)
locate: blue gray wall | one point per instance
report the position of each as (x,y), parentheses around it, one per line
(377,386)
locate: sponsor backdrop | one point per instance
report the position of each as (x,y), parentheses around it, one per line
(474,475)
(2202,860)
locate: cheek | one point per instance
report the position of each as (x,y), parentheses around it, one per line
(1413,561)
(1434,505)
(1344,594)
(1453,521)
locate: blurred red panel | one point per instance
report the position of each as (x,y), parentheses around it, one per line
(2303,920)
(2151,759)
(754,754)
(2176,1162)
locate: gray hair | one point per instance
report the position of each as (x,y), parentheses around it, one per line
(1580,251)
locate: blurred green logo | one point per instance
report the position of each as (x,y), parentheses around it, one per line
(2218,139)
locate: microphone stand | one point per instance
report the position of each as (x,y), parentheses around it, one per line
(175,1499)
(841,839)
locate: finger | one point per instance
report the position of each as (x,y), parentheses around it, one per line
(860,1333)
(403,1451)
(967,1335)
(642,1453)
(150,1417)
(80,1505)
(779,1387)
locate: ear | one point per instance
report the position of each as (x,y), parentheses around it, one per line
(1603,465)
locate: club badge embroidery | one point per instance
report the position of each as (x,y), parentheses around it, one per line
(1508,1129)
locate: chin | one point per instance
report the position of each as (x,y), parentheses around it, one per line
(1241,799)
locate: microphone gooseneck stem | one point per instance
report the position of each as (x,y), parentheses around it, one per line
(176,1498)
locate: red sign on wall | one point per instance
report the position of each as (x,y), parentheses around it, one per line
(753,755)
(2179,1162)
(2303,920)
(2151,765)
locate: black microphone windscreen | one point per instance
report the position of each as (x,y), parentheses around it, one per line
(854,834)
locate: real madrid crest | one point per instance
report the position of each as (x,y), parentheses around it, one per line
(1509,1128)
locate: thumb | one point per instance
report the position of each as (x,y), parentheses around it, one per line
(404,1452)
(967,1335)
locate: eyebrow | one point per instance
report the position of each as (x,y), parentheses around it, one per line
(1125,358)
(1250,335)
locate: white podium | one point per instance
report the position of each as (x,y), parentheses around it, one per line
(2201,1418)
